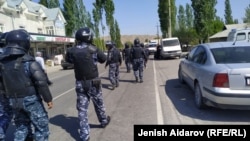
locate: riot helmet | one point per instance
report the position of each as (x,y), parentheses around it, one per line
(19,40)
(126,45)
(84,35)
(109,44)
(136,42)
(142,45)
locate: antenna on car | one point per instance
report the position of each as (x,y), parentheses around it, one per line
(234,42)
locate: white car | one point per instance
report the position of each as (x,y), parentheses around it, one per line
(219,74)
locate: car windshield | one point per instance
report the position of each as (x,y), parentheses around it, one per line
(231,55)
(170,42)
(152,45)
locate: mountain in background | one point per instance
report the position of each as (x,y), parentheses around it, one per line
(130,38)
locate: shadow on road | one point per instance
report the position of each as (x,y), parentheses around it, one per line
(183,99)
(70,125)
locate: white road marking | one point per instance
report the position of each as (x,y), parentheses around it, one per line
(157,98)
(60,95)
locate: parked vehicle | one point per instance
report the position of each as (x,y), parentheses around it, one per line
(66,65)
(239,35)
(152,46)
(170,47)
(219,74)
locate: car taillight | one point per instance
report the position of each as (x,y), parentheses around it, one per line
(221,80)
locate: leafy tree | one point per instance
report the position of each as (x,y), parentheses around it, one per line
(189,16)
(44,3)
(118,35)
(53,4)
(83,17)
(69,15)
(97,15)
(109,12)
(246,19)
(182,18)
(163,13)
(163,16)
(204,15)
(228,13)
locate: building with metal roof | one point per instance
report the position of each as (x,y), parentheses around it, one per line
(222,36)
(46,26)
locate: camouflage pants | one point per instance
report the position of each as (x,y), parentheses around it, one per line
(30,110)
(128,64)
(85,92)
(114,73)
(138,65)
(5,116)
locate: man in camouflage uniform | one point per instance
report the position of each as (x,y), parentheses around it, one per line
(5,109)
(6,112)
(138,57)
(85,56)
(126,57)
(114,62)
(27,106)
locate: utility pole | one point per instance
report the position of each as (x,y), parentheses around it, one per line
(169,20)
(158,37)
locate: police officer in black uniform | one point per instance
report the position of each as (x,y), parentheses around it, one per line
(138,57)
(126,57)
(114,61)
(27,105)
(5,109)
(85,56)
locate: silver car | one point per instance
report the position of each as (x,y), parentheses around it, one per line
(219,74)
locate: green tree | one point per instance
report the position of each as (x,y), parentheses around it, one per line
(189,16)
(163,13)
(44,3)
(83,17)
(163,16)
(204,15)
(69,15)
(53,3)
(182,18)
(228,13)
(118,35)
(246,19)
(109,12)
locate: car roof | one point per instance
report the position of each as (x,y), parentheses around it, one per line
(226,44)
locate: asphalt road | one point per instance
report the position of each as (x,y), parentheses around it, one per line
(159,100)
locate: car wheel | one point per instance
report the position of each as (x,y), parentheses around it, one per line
(64,68)
(198,97)
(180,76)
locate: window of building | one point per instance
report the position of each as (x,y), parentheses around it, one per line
(50,30)
(40,31)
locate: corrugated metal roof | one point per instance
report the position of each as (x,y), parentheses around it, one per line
(229,27)
(52,13)
(34,7)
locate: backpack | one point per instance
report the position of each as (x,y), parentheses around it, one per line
(15,78)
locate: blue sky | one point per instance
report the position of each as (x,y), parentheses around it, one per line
(141,17)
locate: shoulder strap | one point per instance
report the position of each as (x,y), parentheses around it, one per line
(18,63)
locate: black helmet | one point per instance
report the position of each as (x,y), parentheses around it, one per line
(109,44)
(84,35)
(136,41)
(142,44)
(126,45)
(19,39)
(2,39)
